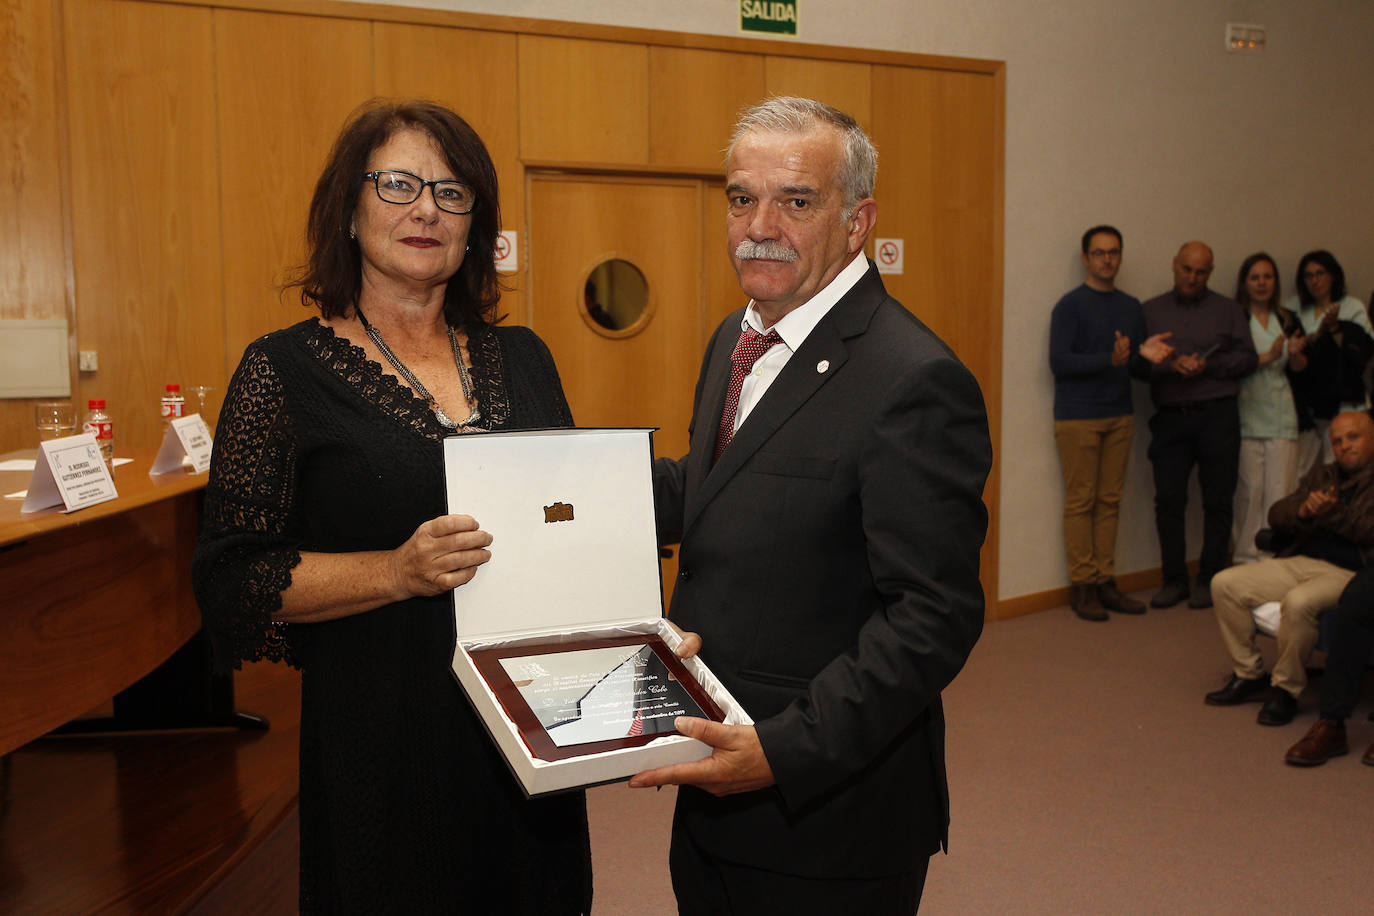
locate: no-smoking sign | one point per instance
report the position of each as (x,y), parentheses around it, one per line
(888,254)
(506,248)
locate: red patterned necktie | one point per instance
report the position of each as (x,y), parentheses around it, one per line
(748,349)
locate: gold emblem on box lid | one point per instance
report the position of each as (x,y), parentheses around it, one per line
(558,512)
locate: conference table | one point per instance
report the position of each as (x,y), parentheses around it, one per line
(93,602)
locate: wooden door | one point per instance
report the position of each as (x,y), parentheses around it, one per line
(643,374)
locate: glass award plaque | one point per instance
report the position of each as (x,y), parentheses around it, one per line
(569,699)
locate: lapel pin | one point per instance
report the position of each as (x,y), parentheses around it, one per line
(823,366)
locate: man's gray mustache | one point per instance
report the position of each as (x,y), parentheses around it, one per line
(765,251)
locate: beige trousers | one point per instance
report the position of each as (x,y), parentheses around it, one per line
(1094,455)
(1304,588)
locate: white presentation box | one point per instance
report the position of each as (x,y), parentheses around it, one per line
(574,561)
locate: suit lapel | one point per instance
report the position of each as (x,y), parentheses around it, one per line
(799,380)
(712,403)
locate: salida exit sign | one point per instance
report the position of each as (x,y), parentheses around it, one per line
(776,16)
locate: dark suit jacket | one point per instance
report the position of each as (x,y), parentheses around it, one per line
(830,564)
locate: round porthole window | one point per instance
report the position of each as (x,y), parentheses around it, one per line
(616,295)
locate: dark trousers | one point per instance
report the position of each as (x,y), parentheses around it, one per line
(708,886)
(1352,640)
(1206,434)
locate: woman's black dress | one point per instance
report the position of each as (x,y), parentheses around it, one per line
(405,804)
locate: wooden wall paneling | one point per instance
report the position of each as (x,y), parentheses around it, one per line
(144,203)
(694,98)
(475,73)
(285,86)
(33,265)
(842,84)
(939,139)
(935,134)
(583,101)
(721,284)
(33,246)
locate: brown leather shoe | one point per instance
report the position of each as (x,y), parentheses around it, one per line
(1110,597)
(1324,740)
(1083,602)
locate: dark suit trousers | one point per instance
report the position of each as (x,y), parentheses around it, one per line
(1352,641)
(1205,434)
(708,886)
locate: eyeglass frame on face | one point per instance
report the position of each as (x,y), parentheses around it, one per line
(375,177)
(1105,253)
(1316,273)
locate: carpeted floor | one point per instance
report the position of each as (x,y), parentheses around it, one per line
(1088,777)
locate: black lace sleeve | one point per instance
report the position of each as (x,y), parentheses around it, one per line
(245,555)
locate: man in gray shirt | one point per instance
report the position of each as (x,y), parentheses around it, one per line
(1196,421)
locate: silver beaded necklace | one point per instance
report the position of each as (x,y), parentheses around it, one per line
(463,377)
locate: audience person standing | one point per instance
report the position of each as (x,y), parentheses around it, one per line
(1352,641)
(1093,330)
(1340,342)
(1329,521)
(1268,419)
(1197,421)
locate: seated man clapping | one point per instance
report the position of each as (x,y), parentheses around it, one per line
(1330,520)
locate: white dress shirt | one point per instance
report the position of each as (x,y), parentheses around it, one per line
(793,328)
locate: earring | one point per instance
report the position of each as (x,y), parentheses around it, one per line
(353,232)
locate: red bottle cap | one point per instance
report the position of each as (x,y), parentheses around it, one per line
(173,387)
(96,404)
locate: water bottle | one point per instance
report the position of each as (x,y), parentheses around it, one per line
(98,424)
(173,406)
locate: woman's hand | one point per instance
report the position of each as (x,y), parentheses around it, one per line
(441,555)
(1274,352)
(1330,317)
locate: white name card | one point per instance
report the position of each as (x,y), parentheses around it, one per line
(69,471)
(186,437)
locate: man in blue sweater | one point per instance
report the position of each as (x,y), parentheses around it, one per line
(1093,331)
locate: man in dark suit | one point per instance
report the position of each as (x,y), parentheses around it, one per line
(830,517)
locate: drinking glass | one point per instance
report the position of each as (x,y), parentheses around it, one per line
(54,419)
(200,392)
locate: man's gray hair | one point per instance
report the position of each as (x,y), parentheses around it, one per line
(789,114)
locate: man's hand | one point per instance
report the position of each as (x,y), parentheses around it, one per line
(691,642)
(1189,365)
(1121,349)
(1155,349)
(736,764)
(1317,502)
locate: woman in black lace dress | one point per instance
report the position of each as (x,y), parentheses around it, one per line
(326,542)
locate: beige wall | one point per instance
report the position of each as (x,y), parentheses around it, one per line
(1132,113)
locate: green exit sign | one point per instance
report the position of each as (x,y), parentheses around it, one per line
(776,16)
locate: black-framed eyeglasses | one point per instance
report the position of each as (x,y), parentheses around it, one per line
(404,188)
(1105,253)
(1315,273)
